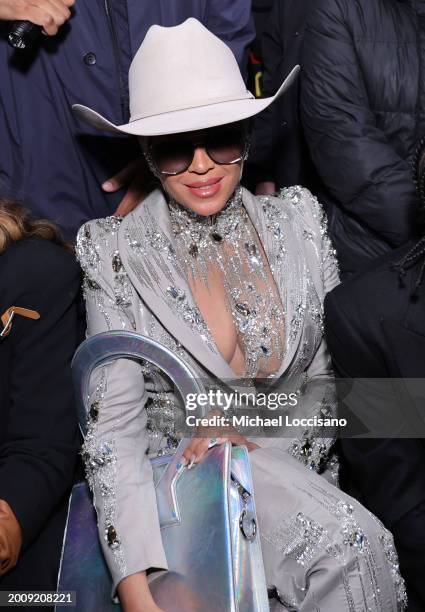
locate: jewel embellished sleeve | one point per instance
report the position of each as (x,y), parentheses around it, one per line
(314,449)
(114,451)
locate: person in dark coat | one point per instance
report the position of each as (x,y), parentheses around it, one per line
(260,12)
(279,155)
(49,160)
(363,109)
(375,328)
(39,285)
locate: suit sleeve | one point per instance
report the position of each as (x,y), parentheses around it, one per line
(38,459)
(358,165)
(312,444)
(320,395)
(232,22)
(115,448)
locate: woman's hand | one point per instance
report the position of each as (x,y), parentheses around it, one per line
(135,595)
(10,538)
(50,14)
(208,437)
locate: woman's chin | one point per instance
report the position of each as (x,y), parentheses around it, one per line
(206,209)
(205,206)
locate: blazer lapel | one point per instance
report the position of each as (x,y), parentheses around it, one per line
(290,274)
(146,247)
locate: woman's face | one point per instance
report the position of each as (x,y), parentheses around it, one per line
(206,183)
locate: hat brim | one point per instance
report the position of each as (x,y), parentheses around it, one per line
(189,119)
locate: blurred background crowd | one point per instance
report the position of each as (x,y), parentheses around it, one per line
(350,129)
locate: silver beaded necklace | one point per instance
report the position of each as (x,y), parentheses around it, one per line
(228,242)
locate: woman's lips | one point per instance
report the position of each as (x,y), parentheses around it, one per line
(205,189)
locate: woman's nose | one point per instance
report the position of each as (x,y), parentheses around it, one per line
(201,161)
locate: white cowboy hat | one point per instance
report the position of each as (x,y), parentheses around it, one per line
(183,79)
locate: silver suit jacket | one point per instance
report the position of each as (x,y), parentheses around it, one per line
(132,282)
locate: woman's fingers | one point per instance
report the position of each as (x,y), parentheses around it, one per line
(194,451)
(197,449)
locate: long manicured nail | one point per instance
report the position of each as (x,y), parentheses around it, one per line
(212,442)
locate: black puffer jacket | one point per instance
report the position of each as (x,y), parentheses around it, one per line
(363,111)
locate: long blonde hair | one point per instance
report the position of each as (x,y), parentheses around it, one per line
(17,224)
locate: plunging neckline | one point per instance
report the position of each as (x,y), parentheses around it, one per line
(146,243)
(267,327)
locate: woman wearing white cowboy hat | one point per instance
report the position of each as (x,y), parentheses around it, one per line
(235,284)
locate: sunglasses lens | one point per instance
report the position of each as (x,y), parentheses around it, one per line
(172,156)
(226,146)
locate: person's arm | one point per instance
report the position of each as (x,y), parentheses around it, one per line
(50,14)
(358,165)
(118,469)
(232,22)
(320,396)
(312,445)
(38,457)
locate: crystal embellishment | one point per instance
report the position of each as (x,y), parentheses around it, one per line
(227,244)
(300,538)
(94,411)
(111,537)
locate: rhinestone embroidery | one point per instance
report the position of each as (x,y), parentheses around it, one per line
(122,287)
(392,560)
(88,249)
(91,238)
(227,243)
(300,538)
(354,537)
(148,274)
(162,412)
(99,457)
(313,448)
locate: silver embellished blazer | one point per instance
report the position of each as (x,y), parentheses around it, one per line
(133,282)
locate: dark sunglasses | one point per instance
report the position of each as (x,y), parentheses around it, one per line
(174,154)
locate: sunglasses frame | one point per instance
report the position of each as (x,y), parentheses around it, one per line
(157,172)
